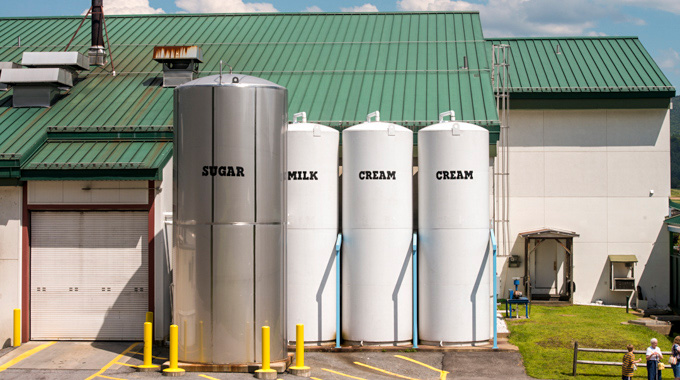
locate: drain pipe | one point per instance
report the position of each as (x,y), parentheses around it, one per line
(495,292)
(338,245)
(415,290)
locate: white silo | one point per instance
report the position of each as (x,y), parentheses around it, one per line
(453,233)
(312,229)
(377,230)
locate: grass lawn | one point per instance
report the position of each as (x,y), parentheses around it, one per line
(675,193)
(546,341)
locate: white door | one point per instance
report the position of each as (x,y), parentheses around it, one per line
(89,275)
(545,269)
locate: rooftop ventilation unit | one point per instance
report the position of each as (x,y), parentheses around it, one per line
(47,73)
(7,65)
(180,63)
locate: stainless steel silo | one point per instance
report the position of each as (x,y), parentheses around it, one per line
(229,214)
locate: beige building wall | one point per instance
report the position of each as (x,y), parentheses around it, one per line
(10,259)
(604,174)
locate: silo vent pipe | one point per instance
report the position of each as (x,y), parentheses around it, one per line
(375,114)
(447,113)
(302,115)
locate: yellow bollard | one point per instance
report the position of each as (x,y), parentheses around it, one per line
(266,372)
(149,316)
(17,328)
(201,357)
(148,342)
(173,369)
(299,368)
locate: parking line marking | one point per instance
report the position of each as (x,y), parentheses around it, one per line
(384,371)
(109,377)
(112,362)
(129,365)
(342,374)
(155,357)
(209,377)
(315,378)
(25,355)
(442,373)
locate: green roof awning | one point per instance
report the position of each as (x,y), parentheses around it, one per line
(674,204)
(623,258)
(98,160)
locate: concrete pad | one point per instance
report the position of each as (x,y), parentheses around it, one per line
(75,355)
(484,365)
(387,361)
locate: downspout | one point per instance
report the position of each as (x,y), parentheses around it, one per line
(338,245)
(495,292)
(415,290)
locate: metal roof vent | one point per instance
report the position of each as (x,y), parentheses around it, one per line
(48,72)
(180,63)
(7,65)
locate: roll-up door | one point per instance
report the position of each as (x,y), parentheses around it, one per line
(89,275)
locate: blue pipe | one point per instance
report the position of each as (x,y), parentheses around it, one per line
(338,245)
(415,290)
(495,292)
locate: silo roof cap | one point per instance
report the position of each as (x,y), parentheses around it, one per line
(311,127)
(377,126)
(446,126)
(229,80)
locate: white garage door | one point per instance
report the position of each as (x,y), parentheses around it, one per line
(89,275)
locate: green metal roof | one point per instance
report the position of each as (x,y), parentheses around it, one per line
(674,204)
(100,153)
(337,67)
(586,67)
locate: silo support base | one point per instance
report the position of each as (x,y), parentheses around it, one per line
(300,371)
(279,366)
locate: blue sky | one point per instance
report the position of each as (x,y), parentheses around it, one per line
(656,22)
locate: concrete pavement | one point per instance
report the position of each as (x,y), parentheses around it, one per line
(116,360)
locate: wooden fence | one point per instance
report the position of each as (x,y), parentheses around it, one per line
(578,349)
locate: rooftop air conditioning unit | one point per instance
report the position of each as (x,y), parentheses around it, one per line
(47,74)
(180,63)
(7,65)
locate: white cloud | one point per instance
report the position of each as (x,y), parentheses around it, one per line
(672,6)
(361,8)
(223,6)
(126,7)
(313,8)
(669,59)
(503,18)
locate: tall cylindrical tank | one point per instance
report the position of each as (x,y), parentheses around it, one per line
(312,229)
(377,227)
(453,234)
(228,219)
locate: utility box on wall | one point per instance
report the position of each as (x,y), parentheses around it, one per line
(622,272)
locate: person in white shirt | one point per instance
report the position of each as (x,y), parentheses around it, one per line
(654,356)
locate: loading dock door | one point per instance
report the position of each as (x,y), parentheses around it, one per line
(89,275)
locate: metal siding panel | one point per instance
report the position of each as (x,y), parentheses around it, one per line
(89,251)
